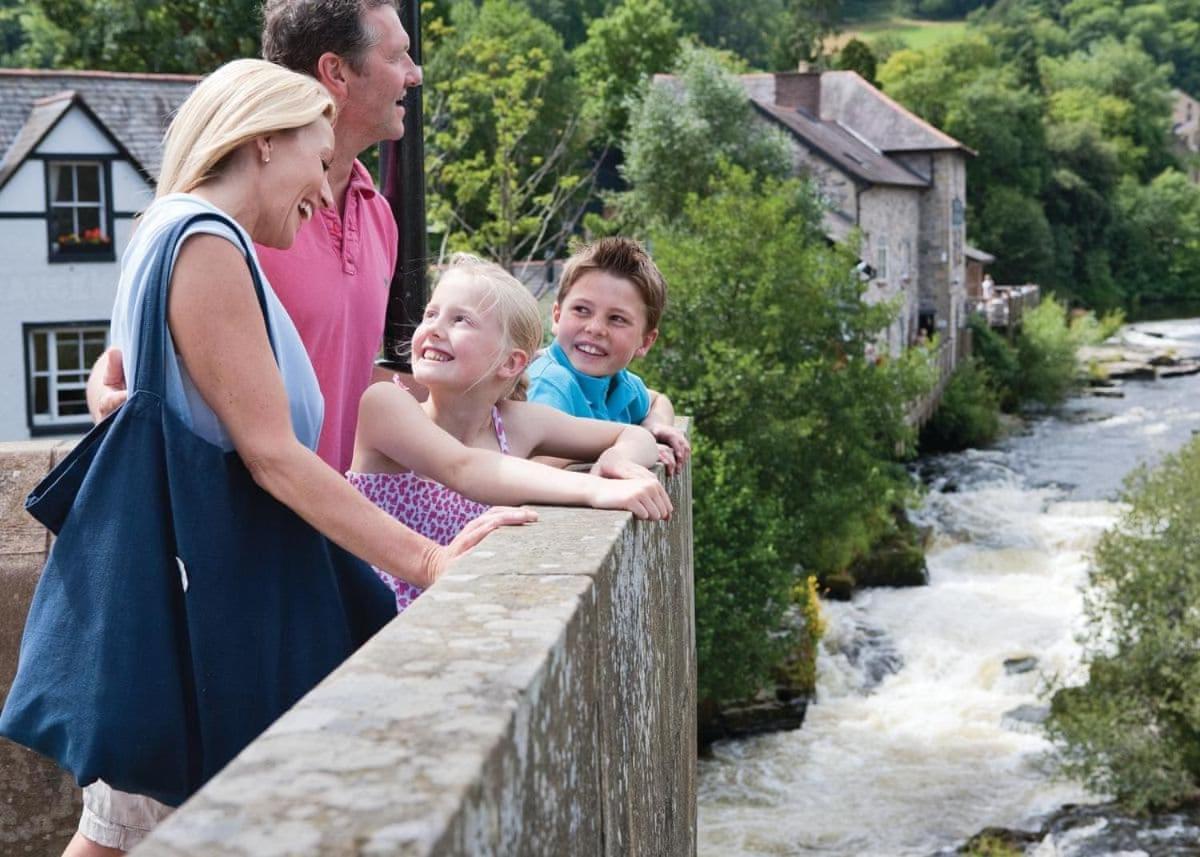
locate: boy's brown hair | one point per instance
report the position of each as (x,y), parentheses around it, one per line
(623,258)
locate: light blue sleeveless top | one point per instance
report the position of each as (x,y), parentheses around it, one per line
(304,394)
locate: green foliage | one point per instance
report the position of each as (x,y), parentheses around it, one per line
(856,55)
(622,51)
(1158,250)
(968,415)
(1133,730)
(681,136)
(764,344)
(503,164)
(189,36)
(1046,353)
(998,359)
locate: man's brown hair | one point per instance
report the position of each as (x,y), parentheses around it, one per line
(623,258)
(296,32)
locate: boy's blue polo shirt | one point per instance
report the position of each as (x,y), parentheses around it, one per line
(619,398)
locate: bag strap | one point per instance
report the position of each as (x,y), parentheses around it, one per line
(150,372)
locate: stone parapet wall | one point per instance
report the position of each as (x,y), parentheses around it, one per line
(539,700)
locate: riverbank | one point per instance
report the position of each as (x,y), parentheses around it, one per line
(920,733)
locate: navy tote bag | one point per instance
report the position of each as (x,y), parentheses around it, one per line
(182,609)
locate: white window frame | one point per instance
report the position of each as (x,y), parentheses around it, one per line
(58,380)
(54,170)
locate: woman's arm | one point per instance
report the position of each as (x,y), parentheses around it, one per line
(391,423)
(220,332)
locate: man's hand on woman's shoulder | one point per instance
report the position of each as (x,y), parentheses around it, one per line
(106,385)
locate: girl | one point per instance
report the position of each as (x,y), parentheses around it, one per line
(479,332)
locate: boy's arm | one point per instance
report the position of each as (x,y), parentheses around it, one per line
(660,422)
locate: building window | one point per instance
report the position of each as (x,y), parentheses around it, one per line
(881,260)
(80,226)
(58,360)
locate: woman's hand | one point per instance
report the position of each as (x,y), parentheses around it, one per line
(646,498)
(439,558)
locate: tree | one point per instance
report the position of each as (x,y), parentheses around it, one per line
(623,50)
(188,36)
(683,131)
(856,55)
(503,167)
(765,344)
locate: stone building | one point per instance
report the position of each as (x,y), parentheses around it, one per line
(897,179)
(1185,126)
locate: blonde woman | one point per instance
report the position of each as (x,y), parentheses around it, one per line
(252,143)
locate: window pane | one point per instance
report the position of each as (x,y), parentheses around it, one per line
(62,223)
(72,402)
(41,395)
(89,218)
(88,176)
(64,175)
(68,351)
(40,360)
(93,346)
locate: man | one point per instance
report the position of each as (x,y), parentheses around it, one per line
(334,280)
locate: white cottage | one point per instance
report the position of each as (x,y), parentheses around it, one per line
(78,155)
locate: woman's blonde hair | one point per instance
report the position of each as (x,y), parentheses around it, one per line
(517,308)
(239,101)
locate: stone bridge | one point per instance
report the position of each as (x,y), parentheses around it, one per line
(539,700)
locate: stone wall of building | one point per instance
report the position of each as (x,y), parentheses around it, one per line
(890,221)
(540,699)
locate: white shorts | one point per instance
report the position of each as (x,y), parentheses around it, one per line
(118,819)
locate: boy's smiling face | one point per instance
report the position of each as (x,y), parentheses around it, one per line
(601,324)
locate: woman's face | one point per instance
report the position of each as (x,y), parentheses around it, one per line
(295,184)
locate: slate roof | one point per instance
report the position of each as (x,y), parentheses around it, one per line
(849,152)
(888,125)
(135,109)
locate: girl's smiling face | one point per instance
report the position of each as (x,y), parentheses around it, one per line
(460,338)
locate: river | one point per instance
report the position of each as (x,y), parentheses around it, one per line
(924,728)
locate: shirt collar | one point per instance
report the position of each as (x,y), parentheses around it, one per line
(361,181)
(595,390)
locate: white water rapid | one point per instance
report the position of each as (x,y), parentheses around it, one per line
(925,727)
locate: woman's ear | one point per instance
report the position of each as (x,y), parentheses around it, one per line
(263,145)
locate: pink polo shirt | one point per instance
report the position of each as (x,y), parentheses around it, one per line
(334,284)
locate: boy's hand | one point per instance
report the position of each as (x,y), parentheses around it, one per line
(671,437)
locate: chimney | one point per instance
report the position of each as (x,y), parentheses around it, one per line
(799,90)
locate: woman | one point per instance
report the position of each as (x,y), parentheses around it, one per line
(252,142)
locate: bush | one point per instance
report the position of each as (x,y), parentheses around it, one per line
(998,359)
(1133,731)
(968,414)
(1046,354)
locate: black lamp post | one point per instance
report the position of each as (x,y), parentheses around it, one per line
(402,166)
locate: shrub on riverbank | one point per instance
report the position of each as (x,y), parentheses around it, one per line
(969,414)
(1133,731)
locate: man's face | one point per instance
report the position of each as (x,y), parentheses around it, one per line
(374,107)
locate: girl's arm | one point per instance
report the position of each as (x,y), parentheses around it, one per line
(219,330)
(392,424)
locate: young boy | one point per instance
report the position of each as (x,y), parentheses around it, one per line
(606,313)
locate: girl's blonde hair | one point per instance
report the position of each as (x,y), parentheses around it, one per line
(517,308)
(239,101)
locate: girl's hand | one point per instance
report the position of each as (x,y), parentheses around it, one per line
(614,466)
(439,558)
(646,498)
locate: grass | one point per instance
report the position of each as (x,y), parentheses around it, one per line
(870,19)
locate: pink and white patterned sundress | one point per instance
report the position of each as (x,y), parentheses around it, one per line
(424,505)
